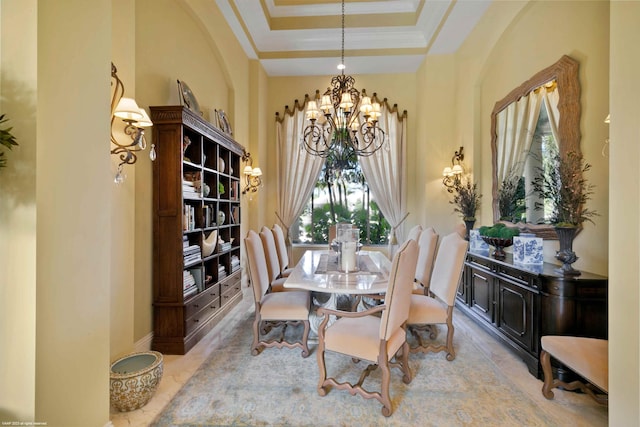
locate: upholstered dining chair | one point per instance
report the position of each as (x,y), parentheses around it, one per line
(378,339)
(273,264)
(414,233)
(437,308)
(281,247)
(278,308)
(428,243)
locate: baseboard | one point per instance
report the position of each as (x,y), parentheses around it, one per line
(109,424)
(144,344)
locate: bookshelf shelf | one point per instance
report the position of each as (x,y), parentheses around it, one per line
(192,292)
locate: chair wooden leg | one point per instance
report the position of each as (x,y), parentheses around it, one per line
(545,361)
(305,338)
(322,369)
(404,364)
(385,398)
(255,347)
(451,352)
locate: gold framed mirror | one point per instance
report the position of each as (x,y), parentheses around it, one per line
(544,108)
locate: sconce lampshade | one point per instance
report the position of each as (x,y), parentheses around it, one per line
(447,171)
(248,170)
(145,121)
(457,170)
(256,172)
(127,109)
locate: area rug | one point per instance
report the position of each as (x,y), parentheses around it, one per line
(278,388)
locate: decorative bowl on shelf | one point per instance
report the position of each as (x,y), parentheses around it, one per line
(499,244)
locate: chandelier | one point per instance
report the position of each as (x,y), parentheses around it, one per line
(335,130)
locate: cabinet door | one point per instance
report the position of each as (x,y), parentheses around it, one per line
(515,313)
(482,294)
(462,293)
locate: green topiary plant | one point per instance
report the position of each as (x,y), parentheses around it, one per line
(499,230)
(6,140)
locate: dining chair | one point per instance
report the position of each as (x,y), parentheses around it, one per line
(414,233)
(281,247)
(428,243)
(378,339)
(279,309)
(273,264)
(437,307)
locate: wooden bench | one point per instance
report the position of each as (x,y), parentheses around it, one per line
(587,357)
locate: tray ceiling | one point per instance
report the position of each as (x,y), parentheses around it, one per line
(303,37)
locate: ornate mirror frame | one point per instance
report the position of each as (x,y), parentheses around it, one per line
(565,72)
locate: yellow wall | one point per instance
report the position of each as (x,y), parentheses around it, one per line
(624,184)
(189,41)
(18,72)
(522,49)
(73,213)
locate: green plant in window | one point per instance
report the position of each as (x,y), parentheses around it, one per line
(220,188)
(6,140)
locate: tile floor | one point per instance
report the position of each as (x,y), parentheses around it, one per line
(577,409)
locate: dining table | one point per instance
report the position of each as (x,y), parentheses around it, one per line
(320,272)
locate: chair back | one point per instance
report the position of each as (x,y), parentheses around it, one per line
(257,265)
(398,296)
(270,253)
(447,268)
(426,255)
(281,246)
(414,233)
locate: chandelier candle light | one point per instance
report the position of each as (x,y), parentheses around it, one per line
(335,127)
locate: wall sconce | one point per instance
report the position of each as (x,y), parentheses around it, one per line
(251,175)
(605,147)
(451,175)
(135,118)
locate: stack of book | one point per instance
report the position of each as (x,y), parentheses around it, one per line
(224,246)
(189,190)
(189,286)
(222,272)
(191,254)
(192,186)
(188,217)
(235,263)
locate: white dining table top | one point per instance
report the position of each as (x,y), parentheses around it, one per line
(316,272)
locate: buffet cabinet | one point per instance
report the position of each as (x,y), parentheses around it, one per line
(196,227)
(520,304)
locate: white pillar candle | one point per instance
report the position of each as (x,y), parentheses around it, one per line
(349,259)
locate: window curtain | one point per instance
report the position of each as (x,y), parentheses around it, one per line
(515,127)
(384,170)
(298,171)
(551,99)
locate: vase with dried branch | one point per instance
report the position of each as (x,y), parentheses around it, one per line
(565,191)
(466,199)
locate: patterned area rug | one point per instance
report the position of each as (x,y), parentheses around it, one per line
(278,388)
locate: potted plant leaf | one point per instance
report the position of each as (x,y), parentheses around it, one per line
(565,191)
(6,140)
(466,199)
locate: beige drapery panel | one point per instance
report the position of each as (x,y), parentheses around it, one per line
(515,127)
(551,99)
(384,170)
(298,171)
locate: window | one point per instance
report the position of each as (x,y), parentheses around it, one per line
(341,194)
